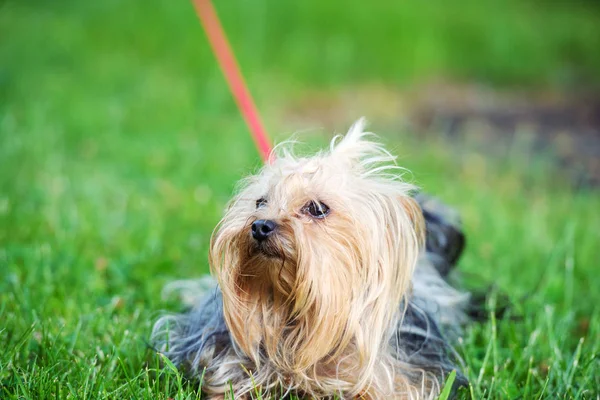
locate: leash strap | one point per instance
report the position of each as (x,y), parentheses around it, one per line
(230,68)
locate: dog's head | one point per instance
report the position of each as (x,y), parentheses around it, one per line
(314,256)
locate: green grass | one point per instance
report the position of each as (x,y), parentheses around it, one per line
(120,145)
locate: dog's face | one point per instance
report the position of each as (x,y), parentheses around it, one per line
(314,255)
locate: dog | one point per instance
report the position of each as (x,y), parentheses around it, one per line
(330,282)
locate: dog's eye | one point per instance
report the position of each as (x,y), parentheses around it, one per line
(261,202)
(316,209)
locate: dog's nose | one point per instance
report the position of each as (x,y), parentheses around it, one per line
(262,228)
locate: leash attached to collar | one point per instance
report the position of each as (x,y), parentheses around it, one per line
(230,68)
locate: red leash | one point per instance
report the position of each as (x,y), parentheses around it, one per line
(231,70)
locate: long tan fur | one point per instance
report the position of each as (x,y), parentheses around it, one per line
(318,311)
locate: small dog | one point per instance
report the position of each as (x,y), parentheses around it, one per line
(331,282)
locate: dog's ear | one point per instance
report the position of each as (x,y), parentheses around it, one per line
(351,145)
(358,149)
(414,213)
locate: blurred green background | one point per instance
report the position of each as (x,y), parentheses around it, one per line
(120,145)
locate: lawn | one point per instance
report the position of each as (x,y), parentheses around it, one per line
(120,146)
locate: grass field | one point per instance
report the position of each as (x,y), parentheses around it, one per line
(120,145)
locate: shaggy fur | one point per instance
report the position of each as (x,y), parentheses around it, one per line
(347,296)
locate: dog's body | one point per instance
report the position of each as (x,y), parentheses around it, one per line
(323,287)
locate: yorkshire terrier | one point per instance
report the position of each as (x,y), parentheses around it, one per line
(330,282)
